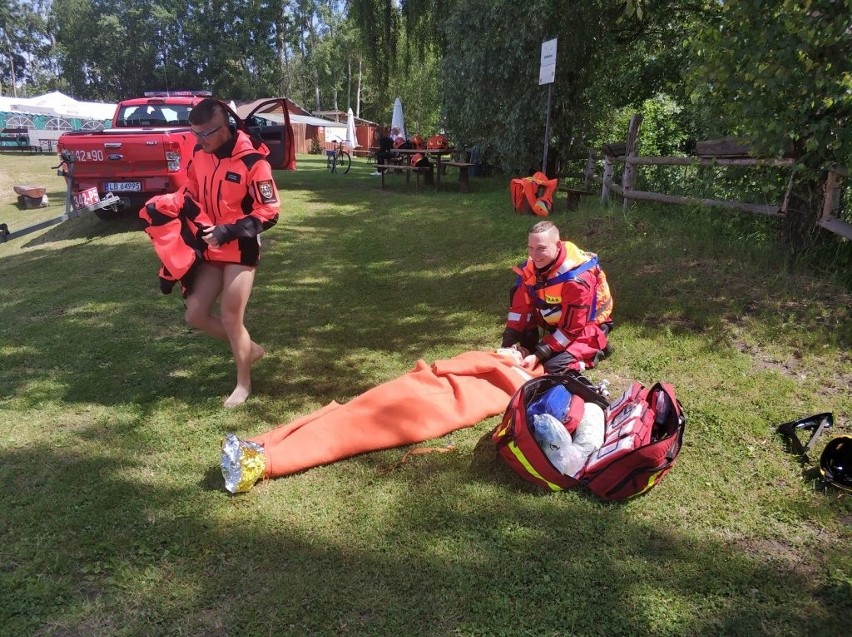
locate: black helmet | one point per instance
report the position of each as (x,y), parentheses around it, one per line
(835,463)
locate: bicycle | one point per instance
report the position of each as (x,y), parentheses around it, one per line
(339,160)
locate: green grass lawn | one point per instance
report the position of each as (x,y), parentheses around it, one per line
(114,516)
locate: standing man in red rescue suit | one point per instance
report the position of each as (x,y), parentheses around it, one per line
(231,181)
(562,291)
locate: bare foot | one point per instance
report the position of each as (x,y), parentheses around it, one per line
(238,396)
(257,352)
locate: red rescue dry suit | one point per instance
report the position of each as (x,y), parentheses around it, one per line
(175,239)
(231,190)
(236,193)
(533,194)
(570,301)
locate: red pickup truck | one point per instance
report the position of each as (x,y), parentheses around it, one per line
(147,148)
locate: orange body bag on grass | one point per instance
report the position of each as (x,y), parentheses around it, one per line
(533,194)
(428,402)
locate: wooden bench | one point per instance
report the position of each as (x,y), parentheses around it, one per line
(572,199)
(427,173)
(463,166)
(574,189)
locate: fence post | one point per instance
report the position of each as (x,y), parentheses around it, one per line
(589,173)
(607,177)
(629,177)
(831,200)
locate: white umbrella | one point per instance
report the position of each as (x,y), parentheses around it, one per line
(397,121)
(351,138)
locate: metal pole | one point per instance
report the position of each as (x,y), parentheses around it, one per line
(547,128)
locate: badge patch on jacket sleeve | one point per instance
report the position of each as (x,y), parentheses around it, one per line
(267,191)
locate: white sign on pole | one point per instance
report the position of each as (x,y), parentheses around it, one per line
(547,70)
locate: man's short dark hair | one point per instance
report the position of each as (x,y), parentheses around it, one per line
(204,111)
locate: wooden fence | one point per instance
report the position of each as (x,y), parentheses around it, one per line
(725,152)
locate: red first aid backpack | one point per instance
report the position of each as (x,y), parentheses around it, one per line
(642,437)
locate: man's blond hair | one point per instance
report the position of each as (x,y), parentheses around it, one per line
(545,226)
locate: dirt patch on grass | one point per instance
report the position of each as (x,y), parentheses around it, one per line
(836,382)
(775,550)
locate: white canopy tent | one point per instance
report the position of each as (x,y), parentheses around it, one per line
(59,105)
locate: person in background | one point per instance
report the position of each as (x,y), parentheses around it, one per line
(385,152)
(399,141)
(560,306)
(231,180)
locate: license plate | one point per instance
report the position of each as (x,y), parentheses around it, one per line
(123,186)
(85,198)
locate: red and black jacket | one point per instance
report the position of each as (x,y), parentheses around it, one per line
(236,195)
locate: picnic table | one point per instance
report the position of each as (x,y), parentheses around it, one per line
(432,153)
(396,164)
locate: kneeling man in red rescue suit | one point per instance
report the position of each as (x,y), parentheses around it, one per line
(562,291)
(231,181)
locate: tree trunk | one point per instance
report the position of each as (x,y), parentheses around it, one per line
(358,92)
(12,66)
(281,45)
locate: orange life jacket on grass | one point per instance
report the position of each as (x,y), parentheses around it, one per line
(533,194)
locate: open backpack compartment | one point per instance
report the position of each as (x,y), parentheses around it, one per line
(642,436)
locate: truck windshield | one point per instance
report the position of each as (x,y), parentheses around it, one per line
(154,115)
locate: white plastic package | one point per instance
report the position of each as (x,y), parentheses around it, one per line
(589,435)
(569,455)
(555,441)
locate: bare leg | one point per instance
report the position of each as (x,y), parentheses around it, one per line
(236,289)
(205,290)
(210,281)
